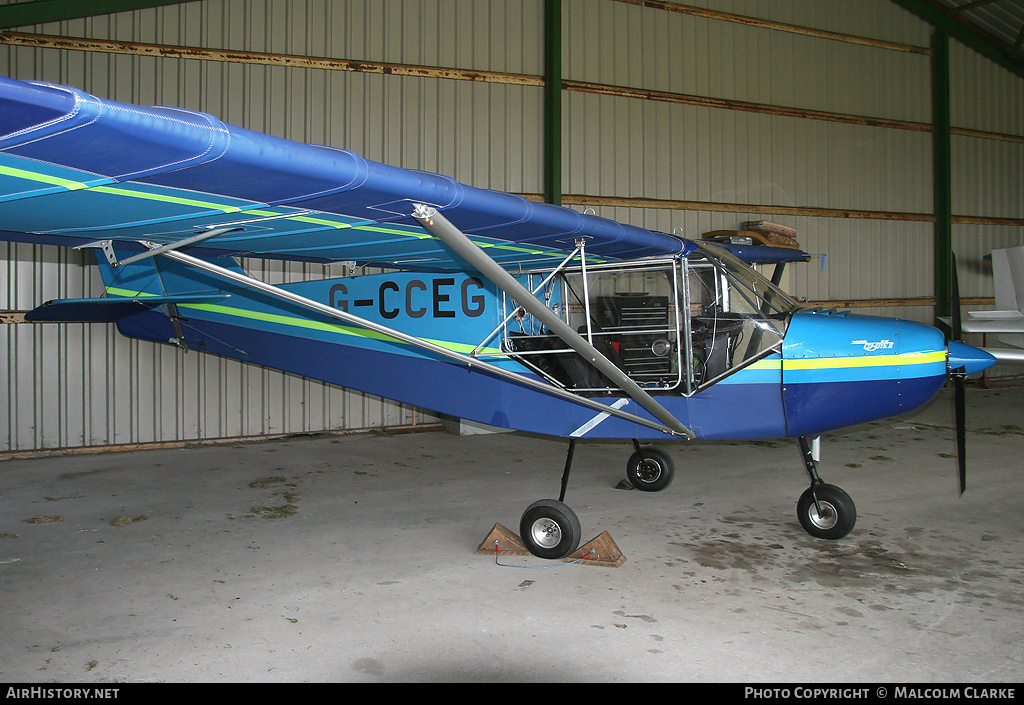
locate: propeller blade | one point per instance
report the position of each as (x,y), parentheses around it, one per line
(959,376)
(961,430)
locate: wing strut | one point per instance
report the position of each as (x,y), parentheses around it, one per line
(410,339)
(439,226)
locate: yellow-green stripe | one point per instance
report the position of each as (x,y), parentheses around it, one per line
(819,363)
(72,185)
(309,324)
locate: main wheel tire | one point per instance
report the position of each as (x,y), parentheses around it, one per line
(838,513)
(550,529)
(650,469)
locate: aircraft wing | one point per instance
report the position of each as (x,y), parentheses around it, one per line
(75,169)
(1007,325)
(994,322)
(1008,321)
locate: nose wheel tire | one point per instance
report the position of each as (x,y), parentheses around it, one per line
(550,529)
(650,469)
(832,517)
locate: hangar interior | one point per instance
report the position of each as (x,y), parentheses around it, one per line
(249,533)
(682,118)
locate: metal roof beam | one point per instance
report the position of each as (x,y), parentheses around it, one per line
(942,180)
(32,12)
(972,5)
(553,101)
(931,13)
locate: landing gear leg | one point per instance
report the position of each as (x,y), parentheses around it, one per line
(549,528)
(568,467)
(825,511)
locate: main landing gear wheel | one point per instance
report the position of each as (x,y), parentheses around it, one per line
(650,469)
(550,529)
(832,517)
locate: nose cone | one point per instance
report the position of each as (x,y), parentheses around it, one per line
(971,359)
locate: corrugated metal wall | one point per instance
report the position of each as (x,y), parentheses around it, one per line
(77,385)
(988,174)
(729,156)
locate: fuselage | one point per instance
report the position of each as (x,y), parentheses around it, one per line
(799,373)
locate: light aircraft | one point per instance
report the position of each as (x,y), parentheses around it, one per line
(496,309)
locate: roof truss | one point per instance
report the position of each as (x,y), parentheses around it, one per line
(30,12)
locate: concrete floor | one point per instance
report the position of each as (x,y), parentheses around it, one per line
(374,576)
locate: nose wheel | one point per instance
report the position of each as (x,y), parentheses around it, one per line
(825,511)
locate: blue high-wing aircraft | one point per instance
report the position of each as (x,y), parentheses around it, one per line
(495,309)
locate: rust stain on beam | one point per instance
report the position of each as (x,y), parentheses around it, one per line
(621,202)
(891,303)
(12,317)
(987,220)
(249,57)
(778,26)
(767,109)
(806,211)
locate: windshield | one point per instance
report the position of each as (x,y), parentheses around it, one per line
(771,298)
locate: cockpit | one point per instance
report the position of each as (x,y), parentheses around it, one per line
(673,325)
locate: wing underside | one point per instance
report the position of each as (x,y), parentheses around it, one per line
(75,168)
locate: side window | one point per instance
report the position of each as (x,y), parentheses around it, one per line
(632,318)
(628,312)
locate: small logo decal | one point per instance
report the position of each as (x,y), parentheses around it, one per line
(871,346)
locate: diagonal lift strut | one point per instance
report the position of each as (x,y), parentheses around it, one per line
(442,228)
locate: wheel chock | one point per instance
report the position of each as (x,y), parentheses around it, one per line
(509,544)
(600,550)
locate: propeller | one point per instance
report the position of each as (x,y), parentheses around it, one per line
(959,376)
(962,360)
